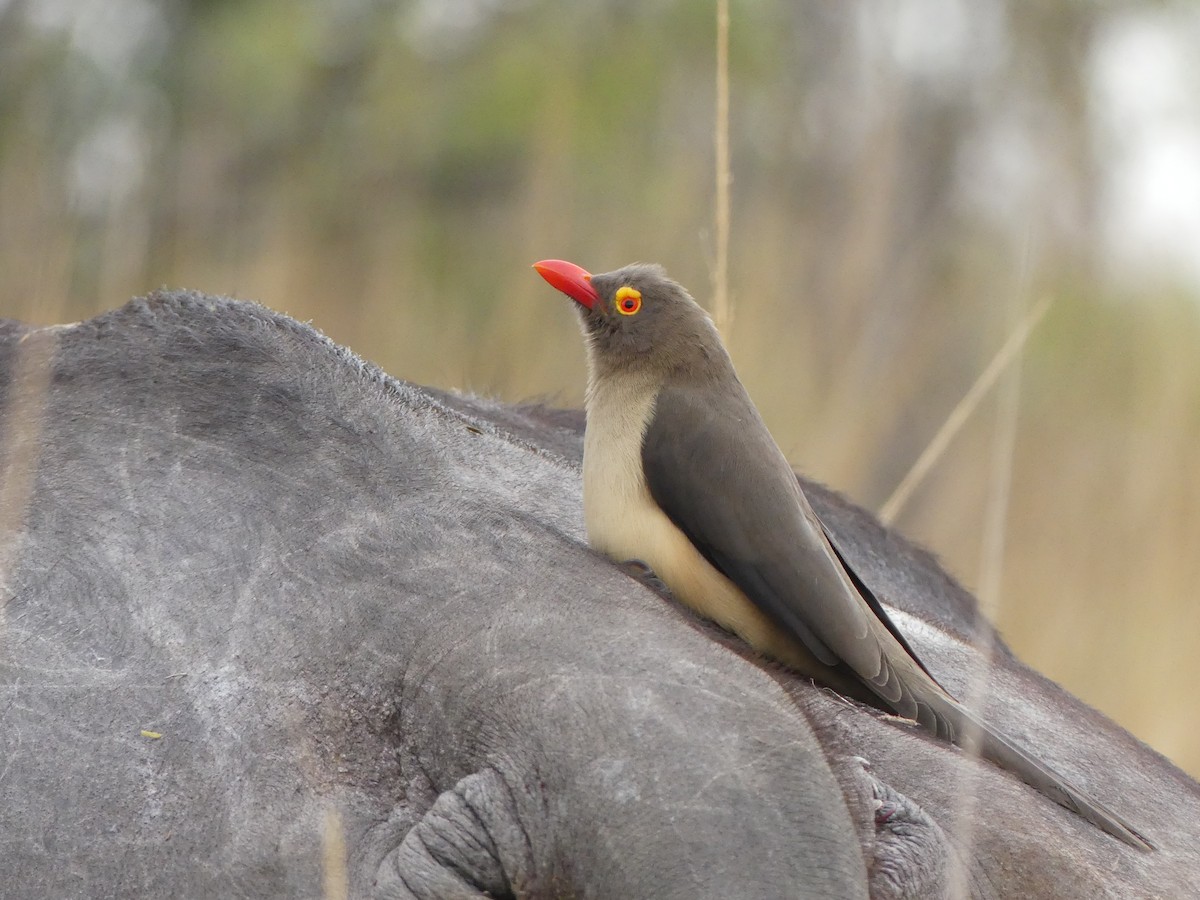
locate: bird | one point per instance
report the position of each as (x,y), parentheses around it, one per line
(681,475)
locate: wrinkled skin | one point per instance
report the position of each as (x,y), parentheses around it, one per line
(364,621)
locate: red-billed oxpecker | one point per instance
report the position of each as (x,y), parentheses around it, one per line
(681,474)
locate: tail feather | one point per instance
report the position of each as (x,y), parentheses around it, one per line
(976,736)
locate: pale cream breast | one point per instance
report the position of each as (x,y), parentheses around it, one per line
(624,523)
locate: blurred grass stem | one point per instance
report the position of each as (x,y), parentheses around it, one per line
(721,310)
(958,416)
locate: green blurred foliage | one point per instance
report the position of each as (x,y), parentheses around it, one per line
(904,175)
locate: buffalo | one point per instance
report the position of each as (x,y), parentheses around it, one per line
(274,623)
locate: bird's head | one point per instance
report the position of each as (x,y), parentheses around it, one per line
(635,316)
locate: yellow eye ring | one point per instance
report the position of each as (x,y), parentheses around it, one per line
(628,301)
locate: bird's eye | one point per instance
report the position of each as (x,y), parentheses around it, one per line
(628,301)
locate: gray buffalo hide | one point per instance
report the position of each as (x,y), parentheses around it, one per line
(275,624)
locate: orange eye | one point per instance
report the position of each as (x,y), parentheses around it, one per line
(628,300)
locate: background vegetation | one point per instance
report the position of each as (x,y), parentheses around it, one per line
(907,177)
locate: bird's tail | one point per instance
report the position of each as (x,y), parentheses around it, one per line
(973,735)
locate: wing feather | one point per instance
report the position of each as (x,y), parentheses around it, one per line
(714,469)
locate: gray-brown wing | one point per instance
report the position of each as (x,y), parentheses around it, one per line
(714,469)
